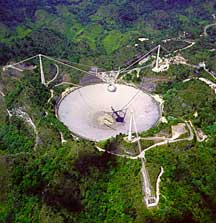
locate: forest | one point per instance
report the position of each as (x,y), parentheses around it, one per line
(72,181)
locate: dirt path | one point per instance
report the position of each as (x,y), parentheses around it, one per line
(23,115)
(210,72)
(51,96)
(56,75)
(211,84)
(2,94)
(207,27)
(199,136)
(169,140)
(157,197)
(191,43)
(62,138)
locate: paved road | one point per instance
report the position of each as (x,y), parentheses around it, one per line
(169,140)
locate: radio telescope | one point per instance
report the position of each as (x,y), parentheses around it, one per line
(95,113)
(100,111)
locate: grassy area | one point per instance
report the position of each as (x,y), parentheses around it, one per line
(91,34)
(113,41)
(3,111)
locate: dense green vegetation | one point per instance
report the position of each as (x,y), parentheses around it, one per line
(183,100)
(16,137)
(92,30)
(73,182)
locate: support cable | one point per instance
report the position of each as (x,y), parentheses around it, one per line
(141,58)
(131,100)
(22,61)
